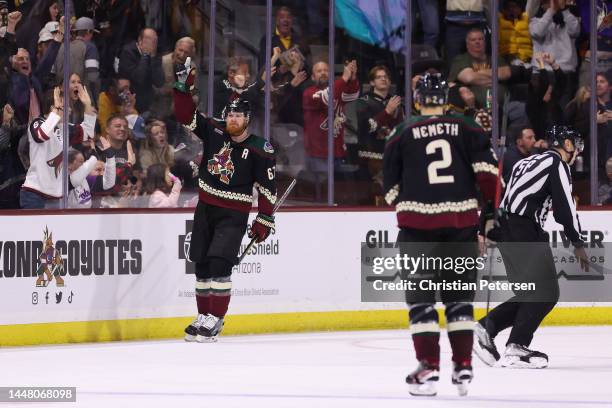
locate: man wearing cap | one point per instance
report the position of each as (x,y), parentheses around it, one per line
(49,42)
(84,56)
(44,40)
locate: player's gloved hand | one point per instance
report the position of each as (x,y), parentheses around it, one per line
(102,152)
(185,76)
(489,227)
(261,228)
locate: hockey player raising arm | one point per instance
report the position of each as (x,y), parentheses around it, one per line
(537,184)
(432,164)
(233,162)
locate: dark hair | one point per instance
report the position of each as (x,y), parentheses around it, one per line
(373,71)
(156,178)
(141,32)
(47,101)
(518,132)
(77,107)
(605,74)
(43,11)
(506,3)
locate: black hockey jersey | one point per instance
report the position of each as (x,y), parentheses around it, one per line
(431,167)
(229,170)
(374,124)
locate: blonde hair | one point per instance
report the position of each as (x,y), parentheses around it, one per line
(582,95)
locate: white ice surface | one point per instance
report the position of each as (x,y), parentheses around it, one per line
(347,369)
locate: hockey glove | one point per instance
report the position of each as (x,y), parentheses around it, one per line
(489,226)
(185,76)
(261,228)
(102,154)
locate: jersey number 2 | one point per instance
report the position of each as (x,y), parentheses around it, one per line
(443,163)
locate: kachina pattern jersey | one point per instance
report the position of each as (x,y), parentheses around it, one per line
(431,167)
(229,170)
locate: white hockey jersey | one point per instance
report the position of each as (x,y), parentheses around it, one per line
(80,192)
(46,152)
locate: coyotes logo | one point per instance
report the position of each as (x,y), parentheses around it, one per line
(56,163)
(222,164)
(51,264)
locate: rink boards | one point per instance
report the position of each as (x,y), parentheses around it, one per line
(126,276)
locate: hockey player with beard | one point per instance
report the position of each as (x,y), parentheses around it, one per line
(432,163)
(233,162)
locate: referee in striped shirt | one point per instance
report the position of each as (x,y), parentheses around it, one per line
(537,184)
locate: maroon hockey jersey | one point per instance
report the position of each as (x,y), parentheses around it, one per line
(315,102)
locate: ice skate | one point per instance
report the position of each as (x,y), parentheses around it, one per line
(462,376)
(423,380)
(191,331)
(209,329)
(484,346)
(517,356)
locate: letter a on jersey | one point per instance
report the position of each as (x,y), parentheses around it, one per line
(222,164)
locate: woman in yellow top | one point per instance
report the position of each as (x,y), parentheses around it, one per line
(514,38)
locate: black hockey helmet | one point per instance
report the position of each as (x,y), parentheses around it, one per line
(237,105)
(558,134)
(431,90)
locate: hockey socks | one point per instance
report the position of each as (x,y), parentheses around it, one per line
(425,333)
(220,296)
(202,295)
(460,328)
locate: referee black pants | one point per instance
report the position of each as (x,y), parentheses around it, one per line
(528,258)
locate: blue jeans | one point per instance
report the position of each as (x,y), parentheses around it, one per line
(428,10)
(31,201)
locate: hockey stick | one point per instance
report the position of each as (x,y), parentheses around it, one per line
(276,207)
(498,188)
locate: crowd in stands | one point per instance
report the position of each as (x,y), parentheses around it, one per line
(128,150)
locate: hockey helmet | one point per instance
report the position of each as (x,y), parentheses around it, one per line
(237,105)
(431,90)
(558,134)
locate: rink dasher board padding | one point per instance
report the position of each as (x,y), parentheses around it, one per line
(125,277)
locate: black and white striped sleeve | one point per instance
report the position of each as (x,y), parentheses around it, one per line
(564,207)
